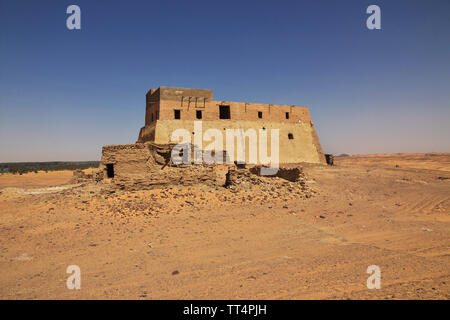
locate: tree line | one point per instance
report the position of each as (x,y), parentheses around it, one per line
(24,167)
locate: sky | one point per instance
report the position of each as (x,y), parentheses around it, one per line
(66,93)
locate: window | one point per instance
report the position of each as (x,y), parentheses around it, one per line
(177,114)
(259,114)
(290,136)
(287,115)
(199,114)
(224,112)
(110,170)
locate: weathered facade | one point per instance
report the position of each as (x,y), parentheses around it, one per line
(148,162)
(168,109)
(146,165)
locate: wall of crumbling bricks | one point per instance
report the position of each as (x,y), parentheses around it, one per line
(143,166)
(152,99)
(146,166)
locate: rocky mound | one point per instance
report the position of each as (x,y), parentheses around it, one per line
(286,181)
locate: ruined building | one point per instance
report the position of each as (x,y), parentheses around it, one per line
(168,109)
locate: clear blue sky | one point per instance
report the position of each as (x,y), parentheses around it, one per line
(64,94)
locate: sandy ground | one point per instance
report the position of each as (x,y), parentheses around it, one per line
(199,243)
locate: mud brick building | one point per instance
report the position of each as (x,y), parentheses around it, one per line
(168,109)
(147,163)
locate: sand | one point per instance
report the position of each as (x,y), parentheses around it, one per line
(197,243)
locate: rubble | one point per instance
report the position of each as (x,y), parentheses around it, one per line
(288,182)
(79,176)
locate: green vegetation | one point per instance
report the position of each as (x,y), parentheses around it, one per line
(23,167)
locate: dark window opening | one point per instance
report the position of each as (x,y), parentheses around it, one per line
(290,136)
(287,115)
(152,117)
(239,165)
(177,114)
(199,114)
(110,170)
(224,112)
(260,114)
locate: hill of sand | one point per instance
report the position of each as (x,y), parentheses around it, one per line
(198,243)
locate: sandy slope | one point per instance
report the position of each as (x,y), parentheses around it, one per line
(227,245)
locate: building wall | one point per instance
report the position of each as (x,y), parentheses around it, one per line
(304,147)
(147,133)
(160,121)
(130,161)
(152,99)
(144,166)
(238,111)
(161,103)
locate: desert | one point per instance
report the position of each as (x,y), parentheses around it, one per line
(262,240)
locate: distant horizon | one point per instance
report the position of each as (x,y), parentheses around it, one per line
(66,93)
(335,155)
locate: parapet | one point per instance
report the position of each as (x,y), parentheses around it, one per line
(176,94)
